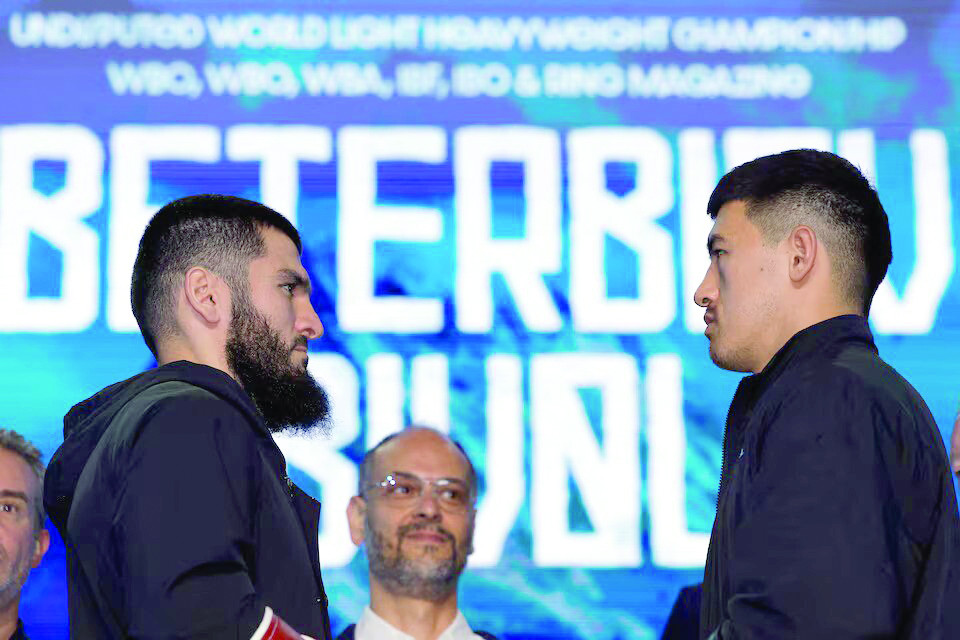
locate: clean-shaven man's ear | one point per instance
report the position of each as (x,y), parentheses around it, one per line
(803,246)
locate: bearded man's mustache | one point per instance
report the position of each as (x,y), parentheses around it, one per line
(407,529)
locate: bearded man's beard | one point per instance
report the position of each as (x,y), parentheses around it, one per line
(287,397)
(400,575)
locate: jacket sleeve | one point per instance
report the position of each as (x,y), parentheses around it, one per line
(810,556)
(184,526)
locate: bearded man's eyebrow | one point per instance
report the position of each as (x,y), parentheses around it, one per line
(296,279)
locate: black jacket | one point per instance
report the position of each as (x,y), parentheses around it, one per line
(19,634)
(684,620)
(177,514)
(836,515)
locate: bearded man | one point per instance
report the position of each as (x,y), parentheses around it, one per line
(415,510)
(172,499)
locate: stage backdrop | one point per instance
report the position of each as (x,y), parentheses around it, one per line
(503,212)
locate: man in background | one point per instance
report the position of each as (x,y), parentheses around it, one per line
(23,539)
(836,516)
(955,447)
(172,498)
(683,623)
(415,511)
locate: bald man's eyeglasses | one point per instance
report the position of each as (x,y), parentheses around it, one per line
(401,489)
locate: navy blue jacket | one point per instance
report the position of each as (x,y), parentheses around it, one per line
(836,514)
(684,620)
(177,514)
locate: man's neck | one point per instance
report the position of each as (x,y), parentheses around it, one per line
(9,616)
(178,351)
(422,619)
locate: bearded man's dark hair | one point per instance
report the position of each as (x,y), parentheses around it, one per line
(220,233)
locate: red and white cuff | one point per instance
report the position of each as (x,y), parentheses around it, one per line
(272,627)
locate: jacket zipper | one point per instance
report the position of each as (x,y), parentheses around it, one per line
(723,459)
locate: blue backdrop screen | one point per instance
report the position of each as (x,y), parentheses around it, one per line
(503,212)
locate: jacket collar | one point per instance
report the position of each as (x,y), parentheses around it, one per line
(808,343)
(814,341)
(19,634)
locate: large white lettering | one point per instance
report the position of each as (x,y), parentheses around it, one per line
(384,396)
(521,261)
(430,391)
(429,394)
(672,544)
(916,310)
(596,213)
(698,177)
(279,149)
(132,149)
(857,146)
(504,475)
(607,472)
(57,218)
(362,223)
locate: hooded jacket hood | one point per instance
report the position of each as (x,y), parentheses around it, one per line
(87,421)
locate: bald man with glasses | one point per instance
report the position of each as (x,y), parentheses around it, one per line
(415,512)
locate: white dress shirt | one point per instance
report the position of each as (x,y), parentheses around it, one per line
(370,626)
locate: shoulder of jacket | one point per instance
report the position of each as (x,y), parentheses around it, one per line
(178,397)
(178,408)
(821,380)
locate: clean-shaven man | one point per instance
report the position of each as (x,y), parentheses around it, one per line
(836,516)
